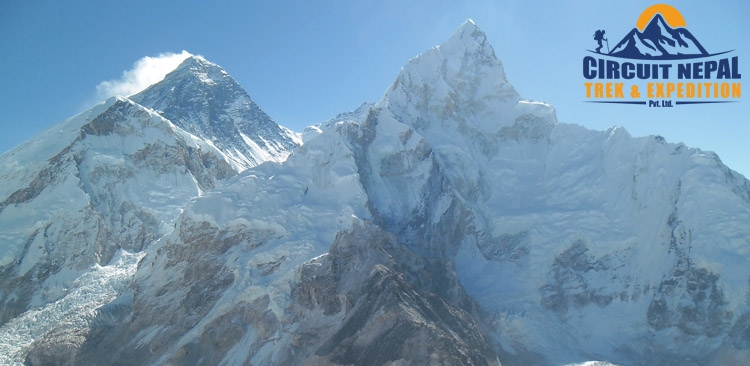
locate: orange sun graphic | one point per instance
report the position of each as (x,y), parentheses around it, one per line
(671,15)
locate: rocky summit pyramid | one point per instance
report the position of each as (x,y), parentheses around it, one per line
(81,202)
(202,99)
(452,222)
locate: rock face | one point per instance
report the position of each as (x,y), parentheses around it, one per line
(450,223)
(105,184)
(364,283)
(202,99)
(87,204)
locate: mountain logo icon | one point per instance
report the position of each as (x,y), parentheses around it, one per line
(660,34)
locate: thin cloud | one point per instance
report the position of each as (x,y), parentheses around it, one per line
(145,72)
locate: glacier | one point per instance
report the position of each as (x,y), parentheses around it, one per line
(451,222)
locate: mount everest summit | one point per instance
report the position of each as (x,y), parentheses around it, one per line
(452,222)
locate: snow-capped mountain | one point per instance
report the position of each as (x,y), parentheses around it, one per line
(659,41)
(452,222)
(88,196)
(202,99)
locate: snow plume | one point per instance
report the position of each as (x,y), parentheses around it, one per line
(145,72)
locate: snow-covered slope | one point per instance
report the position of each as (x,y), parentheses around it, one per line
(99,187)
(117,186)
(576,244)
(202,99)
(451,222)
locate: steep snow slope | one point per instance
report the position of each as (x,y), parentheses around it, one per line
(202,99)
(116,187)
(577,244)
(102,185)
(451,222)
(250,261)
(473,209)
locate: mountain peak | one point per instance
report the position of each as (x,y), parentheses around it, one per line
(469,27)
(461,78)
(201,68)
(204,100)
(469,30)
(468,39)
(196,61)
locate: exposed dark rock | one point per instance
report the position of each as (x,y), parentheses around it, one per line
(219,111)
(691,300)
(111,121)
(506,247)
(568,285)
(384,318)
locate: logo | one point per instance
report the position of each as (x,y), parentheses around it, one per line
(659,63)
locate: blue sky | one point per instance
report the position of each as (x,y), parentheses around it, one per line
(306,61)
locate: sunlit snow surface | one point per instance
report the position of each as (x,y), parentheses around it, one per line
(115,176)
(570,235)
